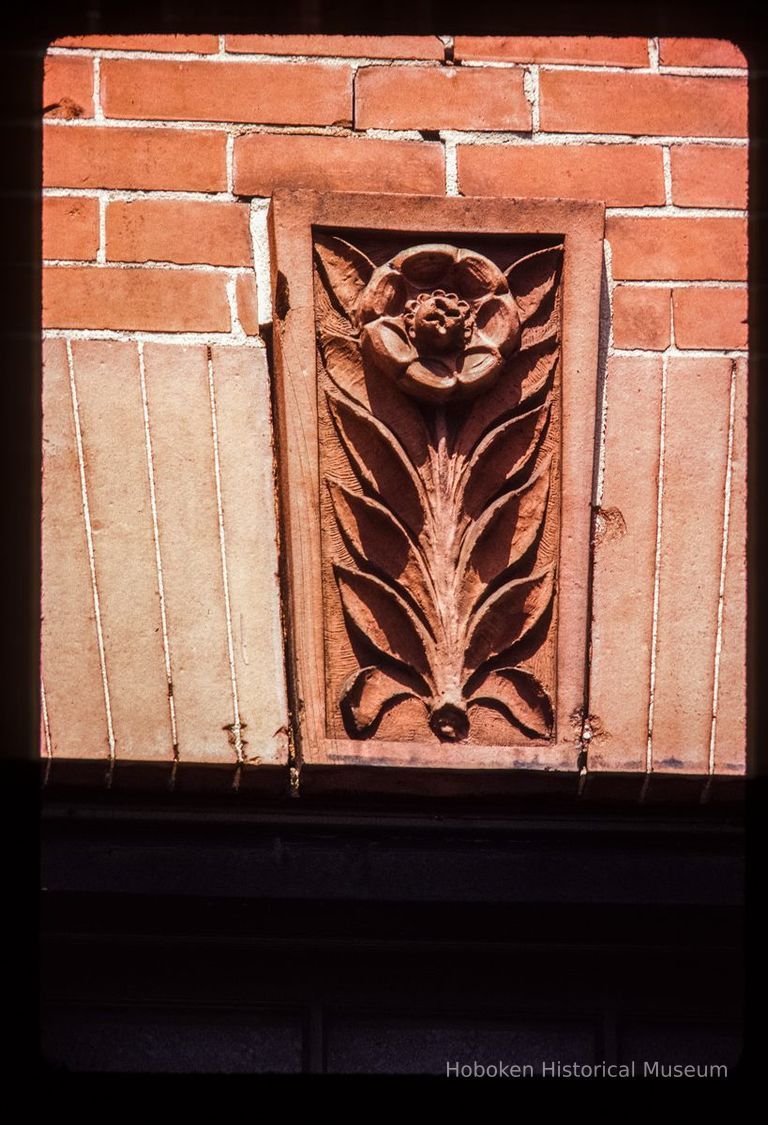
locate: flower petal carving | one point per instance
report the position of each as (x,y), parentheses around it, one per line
(431,380)
(367,694)
(520,697)
(498,322)
(384,295)
(386,343)
(475,275)
(425,264)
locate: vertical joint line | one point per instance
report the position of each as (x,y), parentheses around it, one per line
(236,328)
(449,47)
(656,572)
(46,725)
(236,729)
(261,262)
(723,562)
(451,167)
(230,163)
(91,557)
(606,331)
(98,113)
(101,253)
(666,157)
(653,53)
(158,556)
(532,91)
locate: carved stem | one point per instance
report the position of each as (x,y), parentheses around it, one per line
(449,717)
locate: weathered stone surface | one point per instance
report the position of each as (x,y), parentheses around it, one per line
(625,555)
(731,730)
(696,444)
(70,654)
(241,382)
(112,418)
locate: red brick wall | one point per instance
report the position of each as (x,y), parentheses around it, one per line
(161,152)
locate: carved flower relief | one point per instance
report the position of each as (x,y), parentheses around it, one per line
(444,591)
(439,321)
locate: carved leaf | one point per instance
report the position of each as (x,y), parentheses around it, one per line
(346,269)
(507,616)
(533,282)
(375,393)
(379,461)
(527,375)
(342,359)
(367,694)
(539,332)
(378,542)
(501,536)
(520,697)
(384,620)
(504,451)
(329,321)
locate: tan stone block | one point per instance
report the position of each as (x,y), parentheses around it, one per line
(187,512)
(625,551)
(70,655)
(696,442)
(241,382)
(112,420)
(730,735)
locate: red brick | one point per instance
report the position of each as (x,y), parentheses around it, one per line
(625,553)
(710,318)
(340,46)
(169,230)
(730,734)
(594,49)
(70,228)
(247,303)
(696,442)
(629,175)
(149,159)
(151,300)
(270,93)
(663,104)
(194,44)
(395,97)
(709,175)
(678,248)
(700,52)
(67,86)
(265,161)
(641,317)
